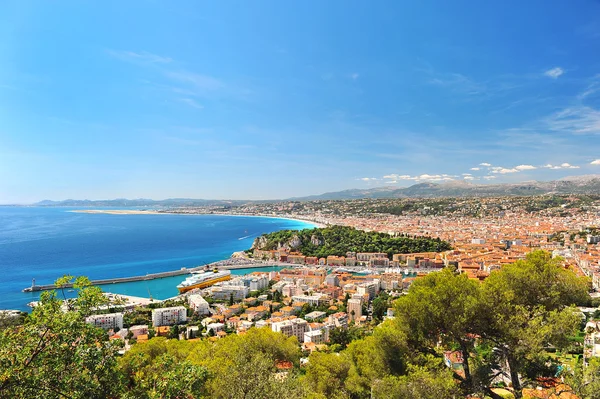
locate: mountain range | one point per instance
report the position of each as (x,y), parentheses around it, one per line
(588,184)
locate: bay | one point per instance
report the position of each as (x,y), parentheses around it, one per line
(45,243)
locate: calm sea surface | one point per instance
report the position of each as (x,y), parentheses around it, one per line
(46,243)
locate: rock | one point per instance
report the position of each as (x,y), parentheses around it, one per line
(314,240)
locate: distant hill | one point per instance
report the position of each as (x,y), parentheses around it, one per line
(171,202)
(589,184)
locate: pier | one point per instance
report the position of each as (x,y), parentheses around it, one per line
(152,276)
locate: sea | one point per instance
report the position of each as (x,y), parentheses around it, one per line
(44,243)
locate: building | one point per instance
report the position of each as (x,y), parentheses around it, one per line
(355,308)
(294,327)
(169,316)
(296,259)
(333,280)
(110,321)
(224,292)
(370,288)
(138,330)
(312,300)
(333,260)
(315,315)
(317,337)
(339,319)
(198,304)
(365,257)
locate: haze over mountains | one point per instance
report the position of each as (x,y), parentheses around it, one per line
(589,184)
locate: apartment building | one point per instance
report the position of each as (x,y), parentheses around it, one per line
(108,321)
(169,316)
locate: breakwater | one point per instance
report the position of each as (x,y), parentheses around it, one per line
(153,276)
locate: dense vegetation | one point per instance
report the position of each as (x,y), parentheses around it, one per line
(337,240)
(513,326)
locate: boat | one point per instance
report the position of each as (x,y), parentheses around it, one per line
(364,271)
(203,279)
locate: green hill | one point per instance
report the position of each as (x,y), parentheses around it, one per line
(338,240)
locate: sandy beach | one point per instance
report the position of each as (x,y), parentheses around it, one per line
(138,212)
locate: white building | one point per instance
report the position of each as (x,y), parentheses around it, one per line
(199,304)
(318,337)
(371,288)
(312,300)
(478,241)
(106,321)
(138,330)
(224,292)
(169,316)
(294,327)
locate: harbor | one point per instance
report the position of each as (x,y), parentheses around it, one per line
(228,264)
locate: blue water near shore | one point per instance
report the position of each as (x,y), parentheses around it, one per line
(46,243)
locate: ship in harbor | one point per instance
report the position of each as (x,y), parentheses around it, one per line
(203,279)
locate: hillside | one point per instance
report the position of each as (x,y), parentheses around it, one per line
(337,240)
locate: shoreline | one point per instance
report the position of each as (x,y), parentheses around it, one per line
(141,212)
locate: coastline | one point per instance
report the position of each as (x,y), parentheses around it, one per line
(140,212)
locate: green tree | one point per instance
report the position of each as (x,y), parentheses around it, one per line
(525,308)
(445,306)
(56,354)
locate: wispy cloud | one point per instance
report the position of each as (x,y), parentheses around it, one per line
(192,103)
(489,177)
(142,56)
(354,76)
(554,73)
(475,169)
(596,162)
(484,164)
(579,119)
(198,81)
(368,179)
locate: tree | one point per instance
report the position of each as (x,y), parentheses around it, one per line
(420,383)
(326,375)
(525,308)
(442,305)
(56,354)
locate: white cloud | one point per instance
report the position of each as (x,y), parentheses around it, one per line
(474,168)
(554,73)
(504,171)
(368,178)
(485,164)
(596,162)
(466,174)
(423,177)
(469,178)
(564,165)
(568,166)
(576,120)
(142,56)
(489,177)
(525,167)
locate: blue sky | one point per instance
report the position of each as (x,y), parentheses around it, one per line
(272,99)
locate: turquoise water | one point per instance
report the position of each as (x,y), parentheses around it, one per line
(46,243)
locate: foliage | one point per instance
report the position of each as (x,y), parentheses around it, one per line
(337,240)
(55,354)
